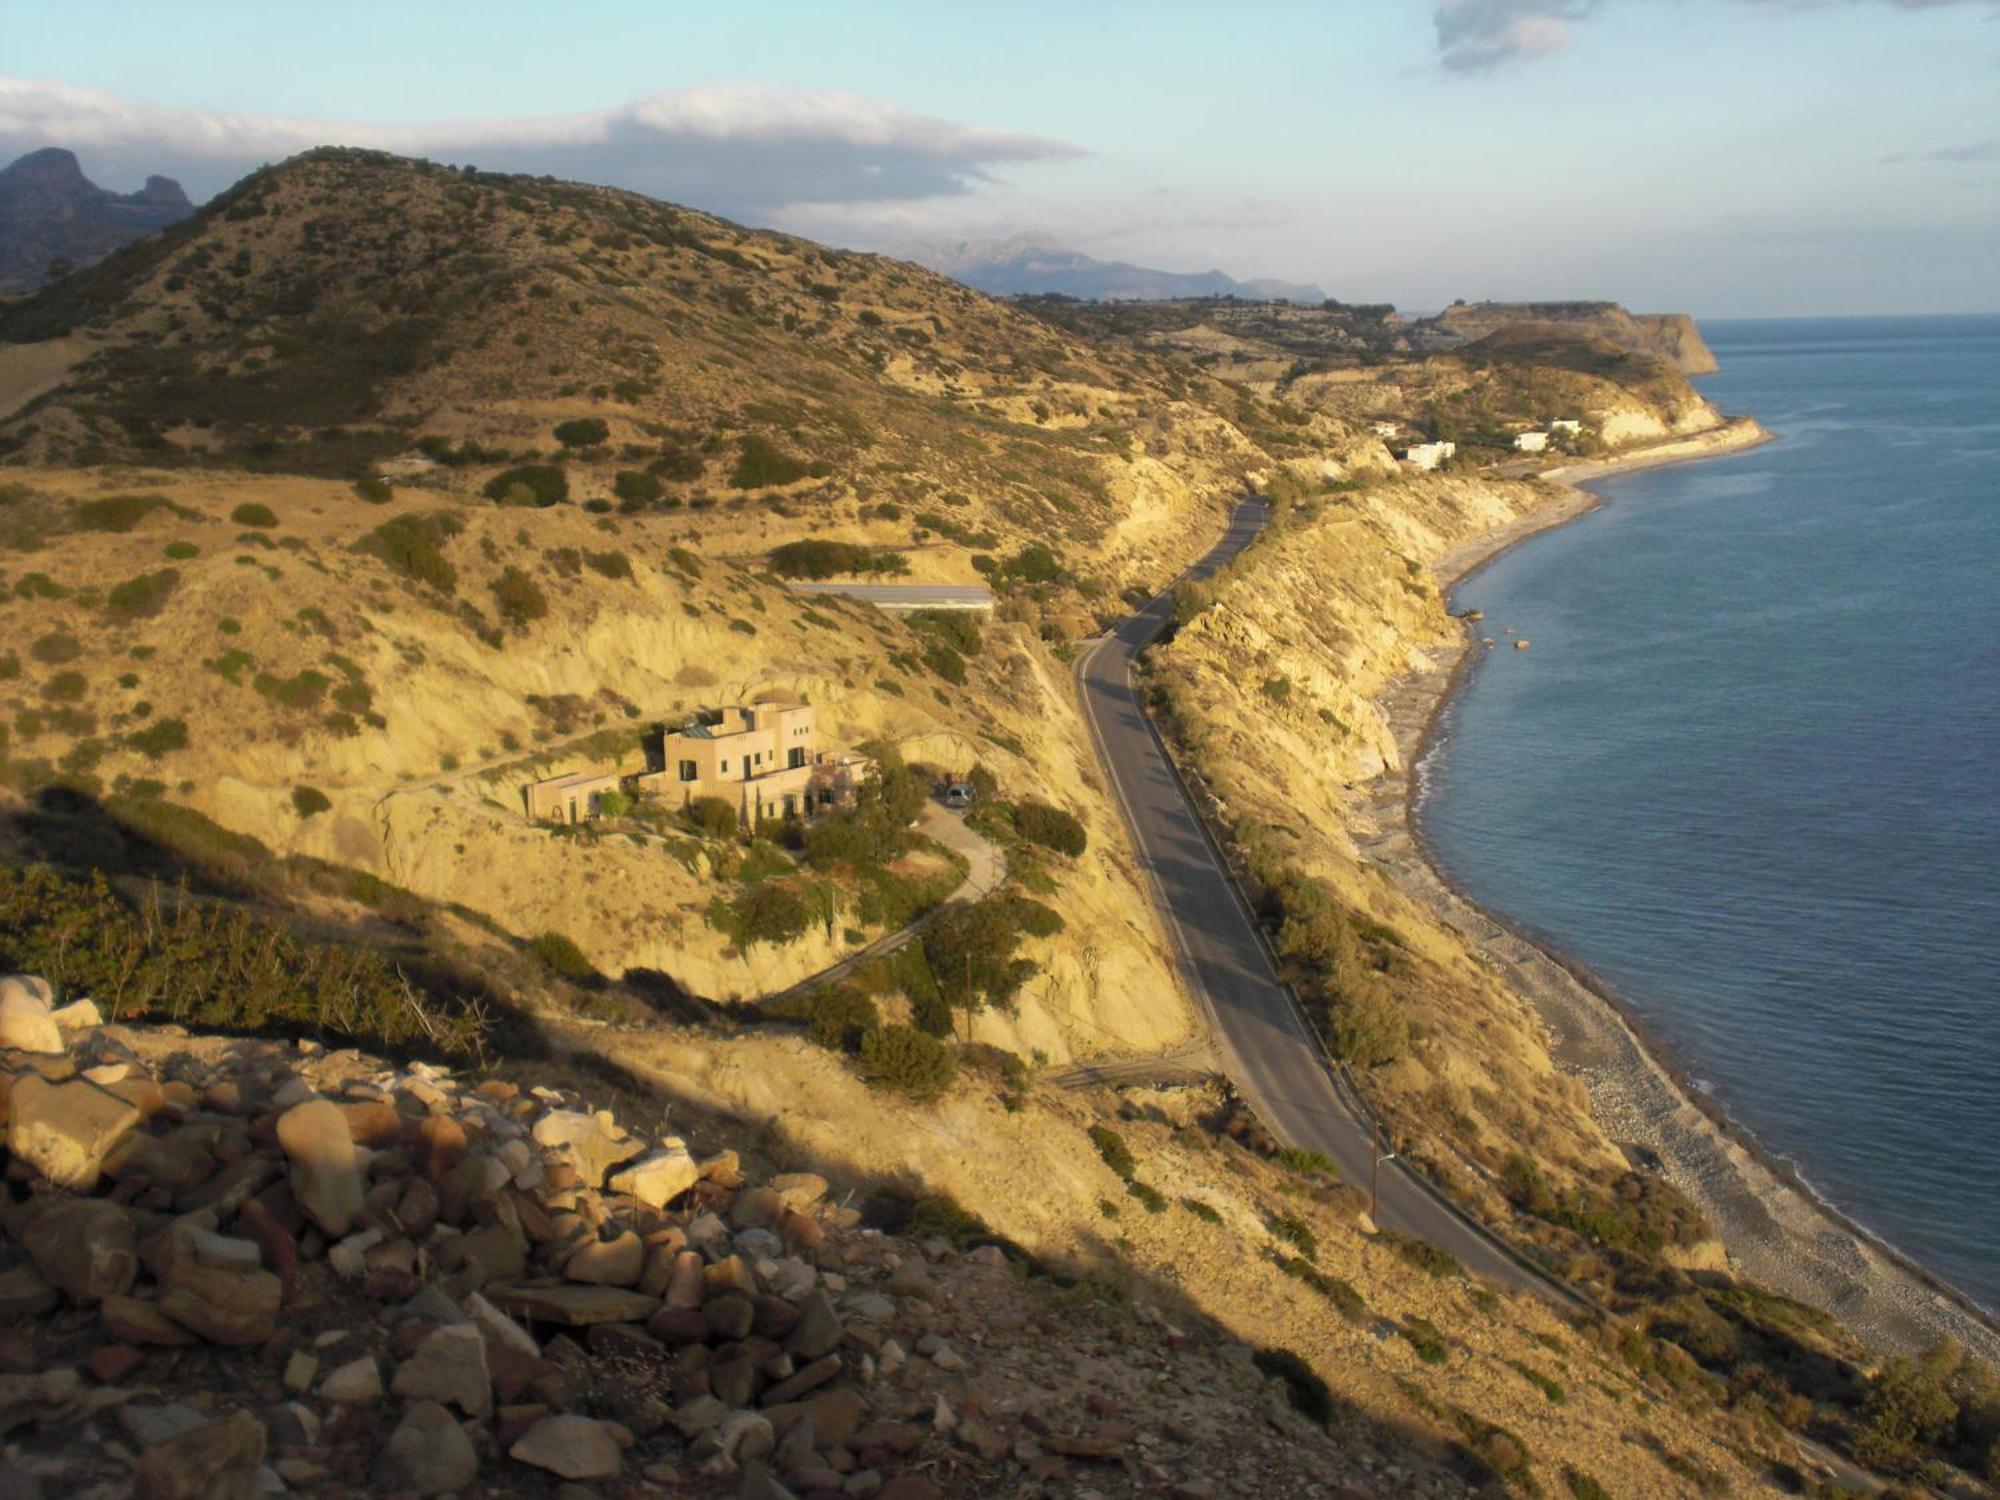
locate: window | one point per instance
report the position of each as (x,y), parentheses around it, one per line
(724,764)
(797,757)
(688,770)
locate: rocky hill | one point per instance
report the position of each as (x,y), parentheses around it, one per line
(1666,336)
(338,513)
(51,215)
(1035,265)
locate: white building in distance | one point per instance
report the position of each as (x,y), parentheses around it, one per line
(1427,456)
(1531,442)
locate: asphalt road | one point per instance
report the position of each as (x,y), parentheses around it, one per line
(1269,1050)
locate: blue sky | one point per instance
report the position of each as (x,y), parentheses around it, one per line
(1728,157)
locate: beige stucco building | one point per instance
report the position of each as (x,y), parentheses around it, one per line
(570,798)
(765,760)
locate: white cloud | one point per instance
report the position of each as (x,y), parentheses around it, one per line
(1475,36)
(745,150)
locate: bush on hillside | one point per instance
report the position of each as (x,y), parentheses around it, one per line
(375,490)
(55,648)
(159,738)
(144,595)
(116,513)
(255,514)
(518,598)
(538,485)
(208,966)
(1051,827)
(582,432)
(308,801)
(762,464)
(636,487)
(957,628)
(1035,563)
(714,817)
(839,1015)
(560,952)
(815,558)
(771,911)
(906,1061)
(1369,1028)
(413,545)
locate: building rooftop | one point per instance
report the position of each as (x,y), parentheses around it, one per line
(896,596)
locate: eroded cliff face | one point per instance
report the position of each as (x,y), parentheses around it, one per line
(1672,337)
(1277,689)
(293,659)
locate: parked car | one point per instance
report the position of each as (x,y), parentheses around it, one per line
(959,795)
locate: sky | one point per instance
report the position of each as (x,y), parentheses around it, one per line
(1729,158)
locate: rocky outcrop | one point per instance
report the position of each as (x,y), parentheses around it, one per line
(1672,337)
(51,215)
(484,1319)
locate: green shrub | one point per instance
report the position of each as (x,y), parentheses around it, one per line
(304,689)
(613,804)
(66,687)
(1296,1233)
(253,513)
(1422,1253)
(38,586)
(144,595)
(942,1217)
(538,485)
(207,966)
(636,487)
(1051,827)
(770,911)
(519,598)
(116,513)
(1583,1486)
(1206,1212)
(561,954)
(1369,1028)
(1155,1202)
(413,545)
(582,432)
(955,627)
(182,551)
(1035,563)
(55,648)
(10,666)
(761,465)
(1551,1390)
(839,1015)
(1277,689)
(611,564)
(159,738)
(1111,1146)
(309,801)
(1309,1163)
(714,817)
(906,1061)
(946,662)
(815,558)
(1425,1338)
(375,490)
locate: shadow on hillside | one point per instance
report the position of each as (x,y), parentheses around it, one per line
(1094,1278)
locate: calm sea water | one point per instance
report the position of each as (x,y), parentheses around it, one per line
(1749,771)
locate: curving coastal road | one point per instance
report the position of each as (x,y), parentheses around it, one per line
(1270,1052)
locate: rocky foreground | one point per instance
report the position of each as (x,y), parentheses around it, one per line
(238,1267)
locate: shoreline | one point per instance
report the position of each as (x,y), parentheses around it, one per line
(1775,1228)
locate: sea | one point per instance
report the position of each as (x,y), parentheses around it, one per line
(1748,771)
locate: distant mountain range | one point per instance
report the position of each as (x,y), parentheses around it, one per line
(50,212)
(1036,264)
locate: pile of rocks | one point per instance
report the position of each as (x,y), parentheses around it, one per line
(236,1268)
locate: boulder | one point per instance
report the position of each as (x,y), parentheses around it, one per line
(213,1286)
(356,1381)
(428,1453)
(593,1144)
(570,1446)
(86,1246)
(65,1130)
(26,1022)
(576,1306)
(658,1177)
(449,1365)
(327,1178)
(216,1461)
(615,1262)
(140,1322)
(78,1015)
